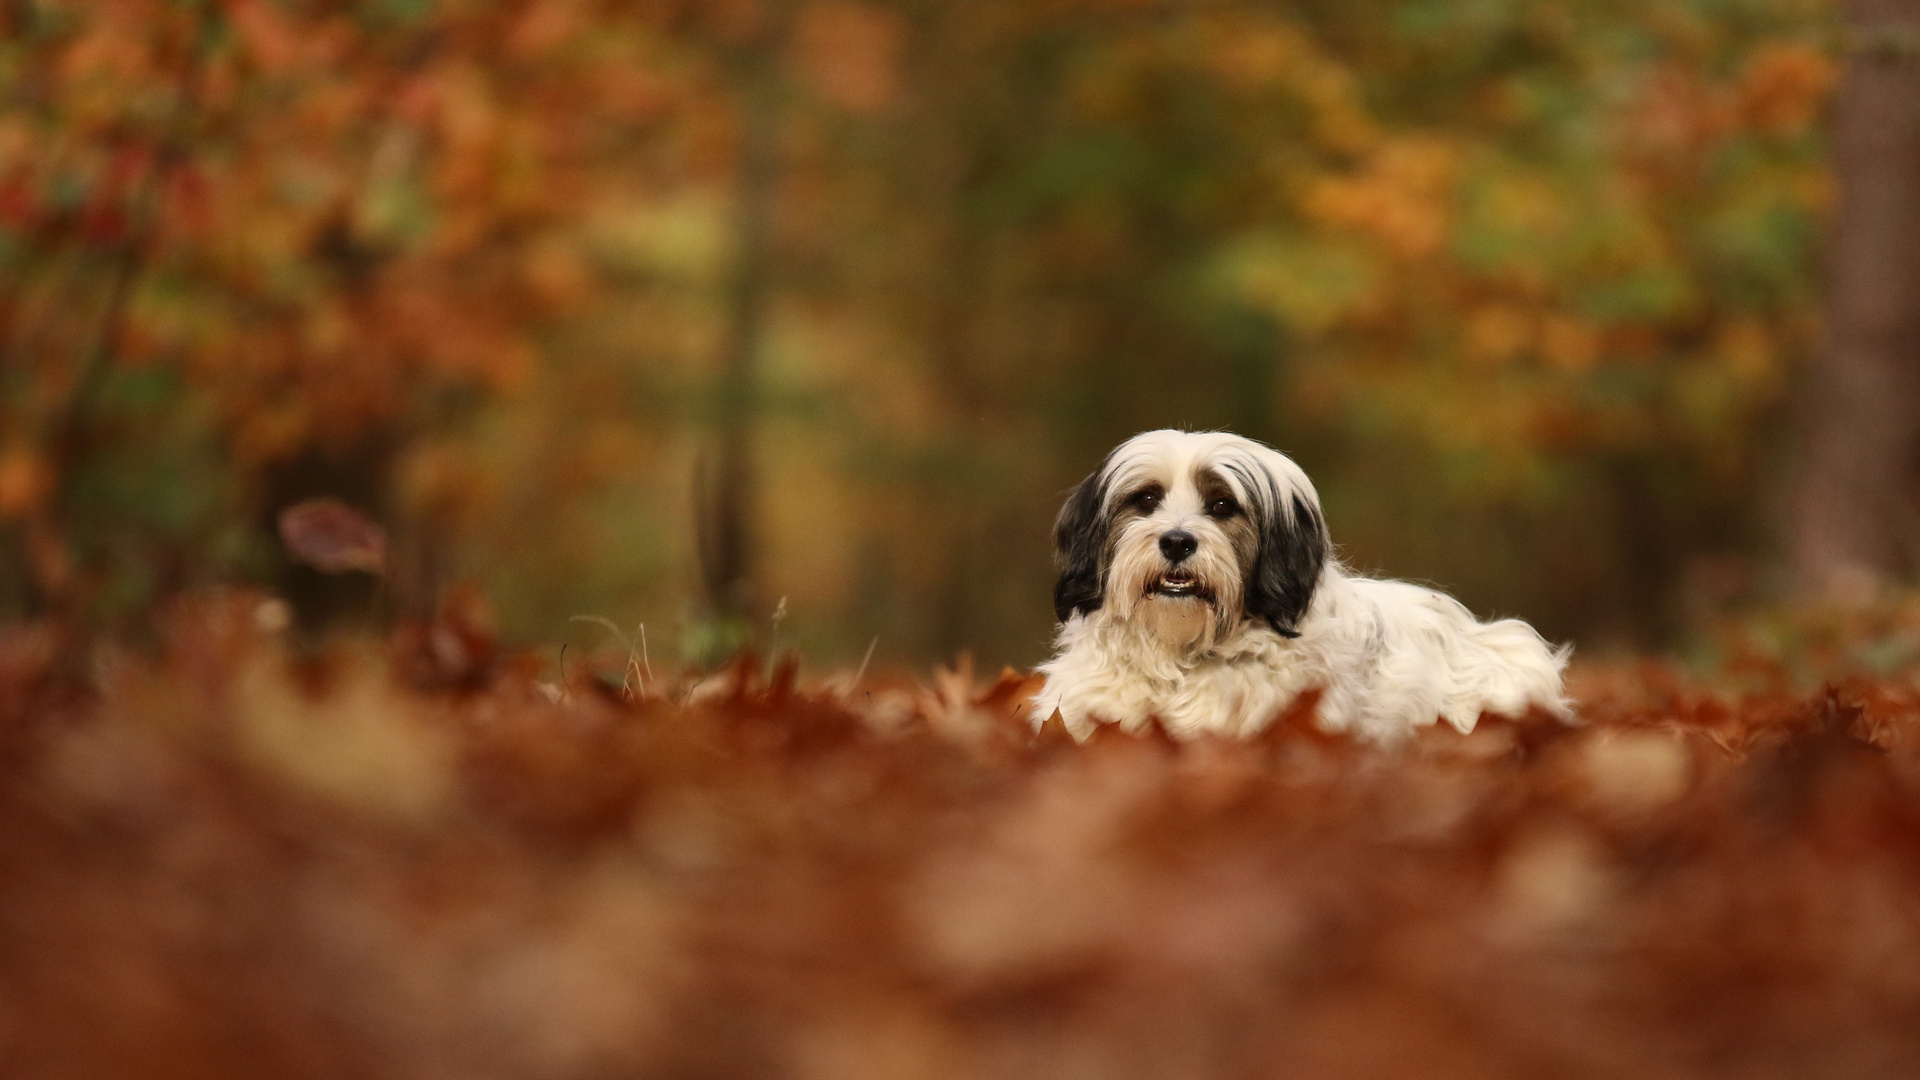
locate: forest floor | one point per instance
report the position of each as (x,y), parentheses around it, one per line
(433,858)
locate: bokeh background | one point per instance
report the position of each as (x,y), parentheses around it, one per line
(801,315)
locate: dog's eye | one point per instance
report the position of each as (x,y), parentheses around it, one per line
(1223,507)
(1145,501)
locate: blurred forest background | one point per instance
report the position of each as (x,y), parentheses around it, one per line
(695,311)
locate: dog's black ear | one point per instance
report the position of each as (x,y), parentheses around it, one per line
(1079,535)
(1293,551)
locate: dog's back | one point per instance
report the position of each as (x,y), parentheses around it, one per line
(1402,655)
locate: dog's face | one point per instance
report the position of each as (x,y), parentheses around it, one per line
(1189,534)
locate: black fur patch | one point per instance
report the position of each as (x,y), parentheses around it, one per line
(1079,542)
(1293,552)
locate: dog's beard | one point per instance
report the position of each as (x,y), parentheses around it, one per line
(1187,624)
(1187,607)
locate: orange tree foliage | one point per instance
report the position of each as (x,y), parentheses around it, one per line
(220,862)
(1544,263)
(1520,283)
(260,230)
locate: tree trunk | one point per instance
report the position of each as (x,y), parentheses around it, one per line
(1854,508)
(724,482)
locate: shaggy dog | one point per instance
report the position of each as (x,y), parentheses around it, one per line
(1198,586)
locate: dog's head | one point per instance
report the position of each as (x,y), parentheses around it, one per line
(1192,532)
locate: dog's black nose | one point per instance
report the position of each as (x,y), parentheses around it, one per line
(1177,545)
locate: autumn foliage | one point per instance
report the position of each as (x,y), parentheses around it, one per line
(1522,285)
(222,859)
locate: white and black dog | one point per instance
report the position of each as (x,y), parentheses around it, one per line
(1198,587)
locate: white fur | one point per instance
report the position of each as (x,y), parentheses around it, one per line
(1388,656)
